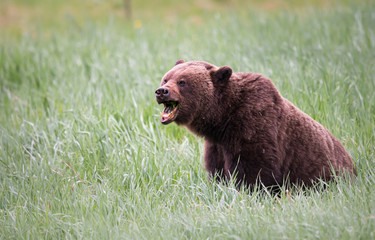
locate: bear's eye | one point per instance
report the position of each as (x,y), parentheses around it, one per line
(181,83)
(165,81)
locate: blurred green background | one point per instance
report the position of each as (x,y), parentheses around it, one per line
(83,154)
(24,15)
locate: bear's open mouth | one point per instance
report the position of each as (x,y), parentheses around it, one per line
(170,112)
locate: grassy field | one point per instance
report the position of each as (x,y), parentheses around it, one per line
(82,150)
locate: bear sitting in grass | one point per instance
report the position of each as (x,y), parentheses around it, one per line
(250,130)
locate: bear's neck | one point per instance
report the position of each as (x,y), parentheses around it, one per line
(226,114)
(222,117)
(214,131)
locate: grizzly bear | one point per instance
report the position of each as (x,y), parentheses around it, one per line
(250,131)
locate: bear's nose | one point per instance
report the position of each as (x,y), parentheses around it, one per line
(162,92)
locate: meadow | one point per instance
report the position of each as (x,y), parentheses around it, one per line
(83,154)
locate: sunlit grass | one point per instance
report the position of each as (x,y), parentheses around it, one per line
(83,153)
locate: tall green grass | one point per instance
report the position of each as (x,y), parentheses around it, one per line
(83,155)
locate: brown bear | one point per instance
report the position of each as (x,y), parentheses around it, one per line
(250,130)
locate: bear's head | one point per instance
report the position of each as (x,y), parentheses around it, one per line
(188,91)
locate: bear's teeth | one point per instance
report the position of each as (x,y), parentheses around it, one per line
(169,112)
(167,115)
(168,109)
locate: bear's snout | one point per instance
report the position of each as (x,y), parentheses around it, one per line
(162,93)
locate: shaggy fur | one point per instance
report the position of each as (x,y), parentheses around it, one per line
(250,130)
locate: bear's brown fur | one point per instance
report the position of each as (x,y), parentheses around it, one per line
(250,130)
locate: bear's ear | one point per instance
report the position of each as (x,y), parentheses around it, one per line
(222,74)
(179,62)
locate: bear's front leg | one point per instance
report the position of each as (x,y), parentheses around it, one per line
(214,160)
(256,165)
